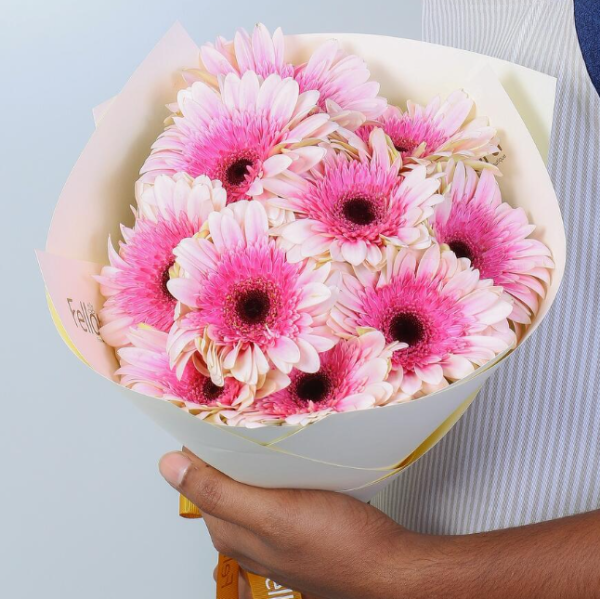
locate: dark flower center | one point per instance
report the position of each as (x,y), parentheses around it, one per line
(165,278)
(403,144)
(211,391)
(313,387)
(253,306)
(461,249)
(407,328)
(359,211)
(236,172)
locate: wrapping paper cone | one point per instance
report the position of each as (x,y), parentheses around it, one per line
(357,452)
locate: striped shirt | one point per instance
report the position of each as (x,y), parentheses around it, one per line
(528,449)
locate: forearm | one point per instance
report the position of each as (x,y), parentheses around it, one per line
(556,559)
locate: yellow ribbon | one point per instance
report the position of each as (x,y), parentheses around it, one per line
(265,588)
(227,578)
(61,329)
(228,573)
(187,509)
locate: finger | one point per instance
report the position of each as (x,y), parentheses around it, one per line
(215,493)
(244,588)
(233,540)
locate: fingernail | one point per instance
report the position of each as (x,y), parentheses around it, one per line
(173,467)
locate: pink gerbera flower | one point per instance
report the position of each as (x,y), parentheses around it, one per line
(258,52)
(476,224)
(438,130)
(353,207)
(238,135)
(145,368)
(341,79)
(445,319)
(249,308)
(135,282)
(351,377)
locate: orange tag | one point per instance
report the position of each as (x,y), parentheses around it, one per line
(262,588)
(265,588)
(227,578)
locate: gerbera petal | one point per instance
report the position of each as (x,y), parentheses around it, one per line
(298,231)
(184,290)
(286,350)
(309,357)
(306,158)
(214,61)
(284,102)
(354,252)
(411,383)
(275,165)
(256,224)
(243,369)
(313,294)
(457,367)
(358,401)
(315,245)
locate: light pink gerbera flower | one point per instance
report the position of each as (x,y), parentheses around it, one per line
(353,207)
(476,224)
(238,136)
(135,282)
(341,79)
(445,319)
(351,377)
(249,308)
(145,368)
(436,131)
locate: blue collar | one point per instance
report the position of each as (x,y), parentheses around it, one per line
(587,23)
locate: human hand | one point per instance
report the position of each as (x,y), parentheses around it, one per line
(316,542)
(329,545)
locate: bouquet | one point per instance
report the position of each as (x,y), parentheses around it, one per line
(302,248)
(333,243)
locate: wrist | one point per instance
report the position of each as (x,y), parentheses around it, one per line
(420,565)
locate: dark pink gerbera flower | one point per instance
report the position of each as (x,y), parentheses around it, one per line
(145,368)
(352,207)
(436,131)
(476,224)
(135,282)
(445,319)
(245,307)
(342,79)
(351,377)
(238,135)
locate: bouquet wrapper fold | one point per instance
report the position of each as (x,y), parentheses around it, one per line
(357,453)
